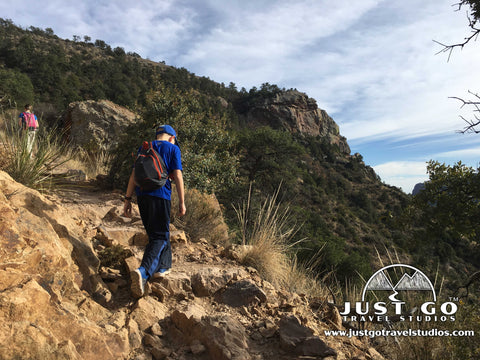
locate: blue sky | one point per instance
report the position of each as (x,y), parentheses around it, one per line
(371,64)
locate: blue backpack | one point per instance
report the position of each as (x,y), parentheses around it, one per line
(150,170)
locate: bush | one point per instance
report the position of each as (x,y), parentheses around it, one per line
(206,146)
(15,87)
(113,256)
(203,218)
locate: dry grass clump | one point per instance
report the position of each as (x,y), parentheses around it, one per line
(433,347)
(270,260)
(204,218)
(92,164)
(268,239)
(303,279)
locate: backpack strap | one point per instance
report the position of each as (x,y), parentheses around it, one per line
(23,120)
(159,162)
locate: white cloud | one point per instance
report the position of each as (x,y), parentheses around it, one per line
(403,174)
(370,64)
(389,83)
(151,28)
(461,153)
(267,44)
(401,168)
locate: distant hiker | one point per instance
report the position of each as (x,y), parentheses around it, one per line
(154,205)
(29,125)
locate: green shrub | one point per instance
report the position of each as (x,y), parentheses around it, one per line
(206,146)
(203,219)
(16,88)
(113,256)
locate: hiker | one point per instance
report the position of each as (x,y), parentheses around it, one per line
(154,209)
(29,125)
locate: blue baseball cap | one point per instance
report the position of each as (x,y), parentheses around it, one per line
(167,129)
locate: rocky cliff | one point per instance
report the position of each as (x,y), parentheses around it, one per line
(95,125)
(62,295)
(296,112)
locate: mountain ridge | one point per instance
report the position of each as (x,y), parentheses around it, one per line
(347,223)
(346,208)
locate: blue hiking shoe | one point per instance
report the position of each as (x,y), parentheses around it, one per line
(138,283)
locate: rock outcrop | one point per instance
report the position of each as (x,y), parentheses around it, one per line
(64,292)
(45,262)
(96,125)
(418,188)
(296,112)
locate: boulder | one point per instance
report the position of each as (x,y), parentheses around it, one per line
(223,337)
(48,231)
(147,312)
(48,280)
(140,239)
(36,325)
(333,316)
(178,237)
(96,125)
(132,263)
(241,293)
(208,281)
(236,251)
(298,339)
(176,283)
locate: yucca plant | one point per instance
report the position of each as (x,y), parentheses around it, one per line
(32,168)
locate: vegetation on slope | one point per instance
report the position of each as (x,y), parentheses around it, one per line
(343,208)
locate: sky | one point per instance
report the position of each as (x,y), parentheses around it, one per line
(373,65)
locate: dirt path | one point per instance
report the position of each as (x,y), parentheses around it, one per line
(202,292)
(100,212)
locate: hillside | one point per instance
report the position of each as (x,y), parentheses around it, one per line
(66,252)
(65,291)
(271,138)
(267,138)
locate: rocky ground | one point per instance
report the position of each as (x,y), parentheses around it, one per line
(65,291)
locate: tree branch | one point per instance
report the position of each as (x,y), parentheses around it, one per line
(471,123)
(449,48)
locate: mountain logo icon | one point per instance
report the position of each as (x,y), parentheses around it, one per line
(415,281)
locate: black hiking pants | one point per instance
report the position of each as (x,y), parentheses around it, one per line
(155,213)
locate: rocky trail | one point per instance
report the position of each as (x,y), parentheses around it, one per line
(65,291)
